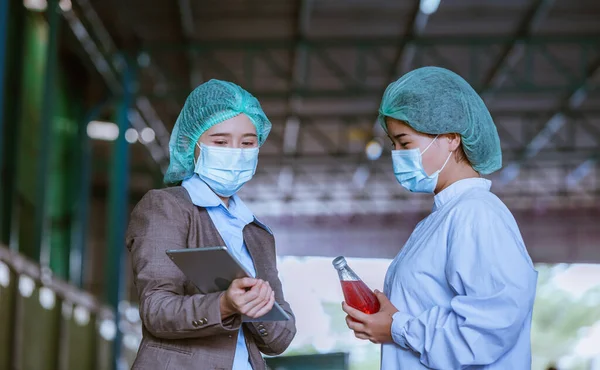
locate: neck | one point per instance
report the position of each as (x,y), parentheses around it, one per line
(455,174)
(225,200)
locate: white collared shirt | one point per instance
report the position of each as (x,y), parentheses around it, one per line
(230,222)
(464,286)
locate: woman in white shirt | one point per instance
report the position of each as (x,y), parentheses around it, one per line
(460,293)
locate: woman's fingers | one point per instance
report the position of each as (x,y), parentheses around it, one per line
(255,299)
(263,291)
(261,310)
(242,299)
(240,292)
(255,294)
(355,325)
(354,313)
(244,283)
(360,335)
(251,307)
(358,327)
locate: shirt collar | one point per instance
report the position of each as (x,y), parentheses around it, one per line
(203,196)
(458,188)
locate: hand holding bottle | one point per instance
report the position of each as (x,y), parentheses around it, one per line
(356,293)
(247,296)
(376,327)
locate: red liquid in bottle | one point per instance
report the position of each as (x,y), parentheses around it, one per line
(358,295)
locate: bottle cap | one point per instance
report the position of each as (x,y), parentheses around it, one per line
(339,262)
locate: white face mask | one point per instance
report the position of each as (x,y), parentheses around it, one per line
(226,170)
(410,173)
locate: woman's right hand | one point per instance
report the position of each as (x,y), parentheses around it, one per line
(247,296)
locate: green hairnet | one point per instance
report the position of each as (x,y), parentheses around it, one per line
(434,101)
(209,104)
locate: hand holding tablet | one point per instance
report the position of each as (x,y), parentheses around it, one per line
(214,269)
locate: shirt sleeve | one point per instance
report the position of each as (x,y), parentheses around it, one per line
(493,278)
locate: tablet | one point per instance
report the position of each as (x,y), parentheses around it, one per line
(213,269)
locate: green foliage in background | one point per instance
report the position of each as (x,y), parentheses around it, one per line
(559,320)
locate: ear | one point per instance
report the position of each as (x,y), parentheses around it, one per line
(454,141)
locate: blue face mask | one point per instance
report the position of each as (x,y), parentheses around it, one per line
(226,170)
(409,171)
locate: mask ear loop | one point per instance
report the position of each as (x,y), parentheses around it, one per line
(430,144)
(445,163)
(441,169)
(199,154)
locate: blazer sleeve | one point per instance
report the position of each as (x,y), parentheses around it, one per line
(274,337)
(159,223)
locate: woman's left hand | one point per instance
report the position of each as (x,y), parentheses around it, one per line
(376,327)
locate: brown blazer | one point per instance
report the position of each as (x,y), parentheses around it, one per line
(182,329)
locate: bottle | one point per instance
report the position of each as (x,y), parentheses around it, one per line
(356,293)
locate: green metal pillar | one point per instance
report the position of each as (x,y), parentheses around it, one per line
(79,226)
(41,243)
(13,83)
(27,146)
(62,184)
(3,46)
(119,208)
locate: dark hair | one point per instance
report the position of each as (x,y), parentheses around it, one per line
(460,155)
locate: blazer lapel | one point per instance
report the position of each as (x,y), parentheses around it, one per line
(209,235)
(255,244)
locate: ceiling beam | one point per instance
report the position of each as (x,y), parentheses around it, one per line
(572,102)
(407,50)
(515,49)
(298,76)
(366,92)
(258,45)
(186,21)
(352,118)
(354,85)
(289,141)
(110,64)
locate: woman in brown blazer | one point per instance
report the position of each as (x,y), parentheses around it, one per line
(214,151)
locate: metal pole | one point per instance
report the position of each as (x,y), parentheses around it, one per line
(11,112)
(82,208)
(3,46)
(118,208)
(41,241)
